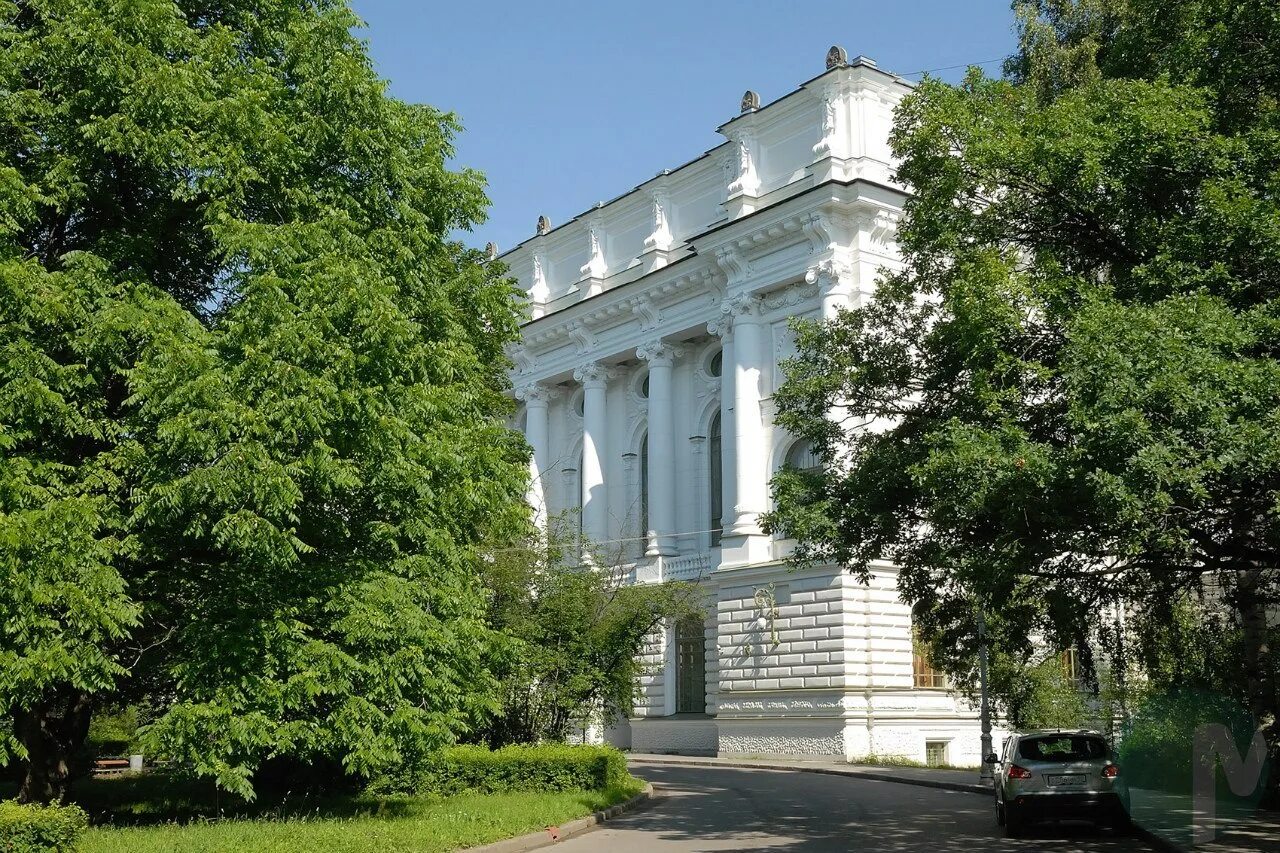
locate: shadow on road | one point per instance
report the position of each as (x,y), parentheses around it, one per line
(749,810)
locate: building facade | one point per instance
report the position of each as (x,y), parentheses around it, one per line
(659,321)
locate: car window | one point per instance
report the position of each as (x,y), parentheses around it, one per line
(1062,748)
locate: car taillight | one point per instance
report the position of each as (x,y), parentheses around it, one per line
(1016,772)
(1110,771)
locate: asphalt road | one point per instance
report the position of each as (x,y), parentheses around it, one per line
(716,808)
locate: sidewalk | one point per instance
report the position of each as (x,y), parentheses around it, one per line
(951,780)
(1162,817)
(1170,817)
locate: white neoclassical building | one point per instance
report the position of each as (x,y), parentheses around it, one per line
(646,374)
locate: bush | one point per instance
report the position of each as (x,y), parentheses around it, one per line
(1157,750)
(545,767)
(40,829)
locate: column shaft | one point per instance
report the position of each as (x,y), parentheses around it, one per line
(536,432)
(595,516)
(662,448)
(751,466)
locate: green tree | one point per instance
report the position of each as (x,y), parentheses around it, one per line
(572,635)
(251,394)
(1074,372)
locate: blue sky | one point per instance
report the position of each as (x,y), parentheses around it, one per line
(568,103)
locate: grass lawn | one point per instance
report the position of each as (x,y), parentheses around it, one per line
(156,812)
(389,826)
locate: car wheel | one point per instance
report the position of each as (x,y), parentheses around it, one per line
(999,813)
(1122,824)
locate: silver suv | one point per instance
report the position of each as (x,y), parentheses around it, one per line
(1058,775)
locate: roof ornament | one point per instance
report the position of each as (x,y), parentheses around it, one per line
(491,250)
(837,57)
(750,101)
(544,225)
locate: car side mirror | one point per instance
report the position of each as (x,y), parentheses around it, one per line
(993,759)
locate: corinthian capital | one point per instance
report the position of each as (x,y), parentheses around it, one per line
(744,305)
(535,393)
(593,373)
(830,274)
(659,353)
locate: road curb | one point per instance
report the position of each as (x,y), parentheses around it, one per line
(553,834)
(874,776)
(1157,841)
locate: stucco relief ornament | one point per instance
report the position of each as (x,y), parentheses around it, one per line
(519,356)
(648,313)
(829,274)
(659,352)
(743,305)
(837,57)
(660,238)
(593,373)
(536,392)
(750,101)
(582,337)
(826,143)
(539,273)
(595,266)
(544,225)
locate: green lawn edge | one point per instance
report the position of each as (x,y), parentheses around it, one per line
(393,825)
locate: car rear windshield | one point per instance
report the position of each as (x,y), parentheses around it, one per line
(1062,748)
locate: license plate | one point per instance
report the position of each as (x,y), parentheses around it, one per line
(1074,781)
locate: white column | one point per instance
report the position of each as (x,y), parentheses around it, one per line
(723,328)
(594,378)
(752,468)
(662,447)
(536,432)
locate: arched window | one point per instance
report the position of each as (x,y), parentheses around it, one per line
(644,485)
(716,482)
(803,457)
(691,666)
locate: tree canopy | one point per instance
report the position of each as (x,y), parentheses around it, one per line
(1065,403)
(251,391)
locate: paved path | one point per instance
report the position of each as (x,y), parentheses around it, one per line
(716,808)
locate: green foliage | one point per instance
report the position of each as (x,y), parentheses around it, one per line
(1158,749)
(251,394)
(115,731)
(30,828)
(1076,365)
(538,767)
(1039,695)
(572,636)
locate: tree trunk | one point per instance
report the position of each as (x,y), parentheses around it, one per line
(53,731)
(1260,671)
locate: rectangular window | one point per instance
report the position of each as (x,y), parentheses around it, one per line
(922,668)
(691,666)
(1071,666)
(935,753)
